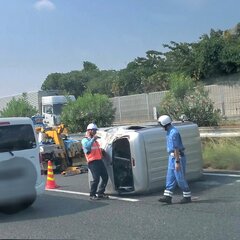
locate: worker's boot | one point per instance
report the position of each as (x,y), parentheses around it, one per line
(103,196)
(165,199)
(186,200)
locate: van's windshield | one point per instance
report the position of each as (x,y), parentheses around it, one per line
(17,137)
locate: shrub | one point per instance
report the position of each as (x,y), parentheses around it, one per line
(198,107)
(19,108)
(193,102)
(88,108)
(180,85)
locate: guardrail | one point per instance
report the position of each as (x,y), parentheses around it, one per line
(204,132)
(219,132)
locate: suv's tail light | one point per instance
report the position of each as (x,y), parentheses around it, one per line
(4,123)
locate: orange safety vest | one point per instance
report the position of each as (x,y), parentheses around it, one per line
(95,154)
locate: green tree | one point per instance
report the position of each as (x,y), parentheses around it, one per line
(214,54)
(156,82)
(51,82)
(230,55)
(90,79)
(89,67)
(73,83)
(180,58)
(102,82)
(152,72)
(18,108)
(129,81)
(88,108)
(207,54)
(144,74)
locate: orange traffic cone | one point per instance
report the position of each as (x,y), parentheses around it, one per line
(50,177)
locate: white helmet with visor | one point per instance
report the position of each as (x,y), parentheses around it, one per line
(164,120)
(92,126)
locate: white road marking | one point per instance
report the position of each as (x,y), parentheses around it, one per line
(137,200)
(222,175)
(87,194)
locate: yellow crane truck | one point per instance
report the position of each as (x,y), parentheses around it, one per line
(64,152)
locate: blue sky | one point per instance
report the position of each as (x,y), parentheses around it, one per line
(39,37)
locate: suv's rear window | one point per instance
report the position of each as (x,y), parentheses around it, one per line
(16,137)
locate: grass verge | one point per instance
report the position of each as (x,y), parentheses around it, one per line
(221,153)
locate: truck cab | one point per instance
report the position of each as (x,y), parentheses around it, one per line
(52,108)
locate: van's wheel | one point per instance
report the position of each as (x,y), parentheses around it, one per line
(17,207)
(28,202)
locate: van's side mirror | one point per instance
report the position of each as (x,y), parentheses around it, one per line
(183,118)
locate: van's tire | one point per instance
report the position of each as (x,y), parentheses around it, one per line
(17,207)
(28,202)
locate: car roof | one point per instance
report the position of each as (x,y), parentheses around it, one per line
(15,120)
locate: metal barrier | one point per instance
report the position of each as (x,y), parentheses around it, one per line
(142,107)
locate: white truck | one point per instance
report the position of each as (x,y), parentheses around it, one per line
(48,103)
(52,108)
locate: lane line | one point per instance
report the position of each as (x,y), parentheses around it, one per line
(87,194)
(222,175)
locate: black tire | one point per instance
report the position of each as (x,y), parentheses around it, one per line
(17,207)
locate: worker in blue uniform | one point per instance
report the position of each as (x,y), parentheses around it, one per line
(176,163)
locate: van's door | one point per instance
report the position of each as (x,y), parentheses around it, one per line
(122,165)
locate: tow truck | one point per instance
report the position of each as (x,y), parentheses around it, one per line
(55,145)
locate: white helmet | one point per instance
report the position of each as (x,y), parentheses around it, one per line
(92,126)
(164,120)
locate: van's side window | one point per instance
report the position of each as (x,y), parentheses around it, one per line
(17,137)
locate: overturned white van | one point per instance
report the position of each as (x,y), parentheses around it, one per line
(136,156)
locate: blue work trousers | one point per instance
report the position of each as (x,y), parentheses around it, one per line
(174,177)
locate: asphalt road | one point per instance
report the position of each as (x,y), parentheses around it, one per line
(213,214)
